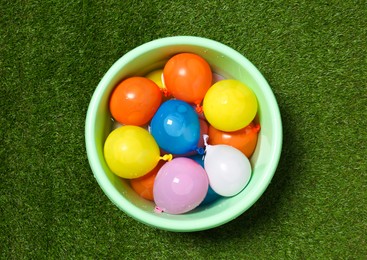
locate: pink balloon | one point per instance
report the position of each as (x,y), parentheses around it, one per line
(216,77)
(180,186)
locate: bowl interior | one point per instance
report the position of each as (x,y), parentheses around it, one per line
(224,61)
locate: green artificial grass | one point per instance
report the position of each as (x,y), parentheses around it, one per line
(52,56)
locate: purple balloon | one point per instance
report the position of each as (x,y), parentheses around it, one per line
(180,186)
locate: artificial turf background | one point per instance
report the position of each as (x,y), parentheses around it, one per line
(52,56)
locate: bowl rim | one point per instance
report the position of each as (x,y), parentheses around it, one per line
(180,224)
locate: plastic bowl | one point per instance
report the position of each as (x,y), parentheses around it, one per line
(224,61)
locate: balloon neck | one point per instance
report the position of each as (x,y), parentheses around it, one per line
(165,91)
(199,109)
(166,157)
(205,138)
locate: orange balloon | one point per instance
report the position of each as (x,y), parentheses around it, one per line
(188,77)
(144,185)
(244,139)
(135,100)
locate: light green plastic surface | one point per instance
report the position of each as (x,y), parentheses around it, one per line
(224,61)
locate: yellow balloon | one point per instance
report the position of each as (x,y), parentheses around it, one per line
(229,105)
(156,76)
(131,152)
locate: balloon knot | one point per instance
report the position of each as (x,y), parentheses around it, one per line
(199,109)
(166,157)
(200,150)
(164,88)
(158,209)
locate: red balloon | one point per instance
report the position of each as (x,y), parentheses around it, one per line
(135,100)
(187,77)
(204,128)
(244,139)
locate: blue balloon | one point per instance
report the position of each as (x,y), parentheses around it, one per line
(211,195)
(175,127)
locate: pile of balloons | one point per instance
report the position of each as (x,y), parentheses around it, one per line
(175,151)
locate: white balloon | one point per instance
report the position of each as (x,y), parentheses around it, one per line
(228,169)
